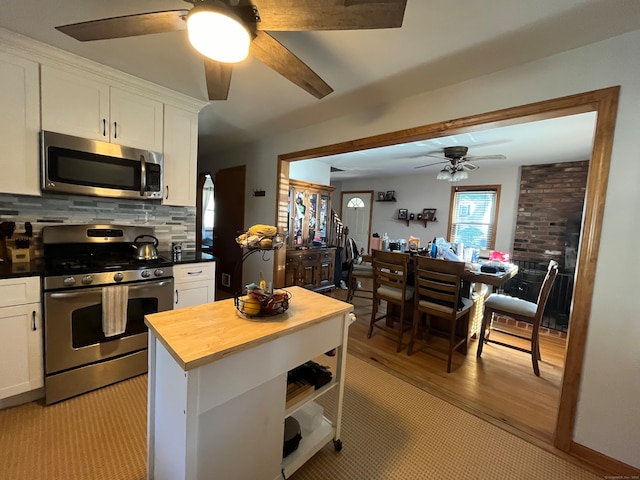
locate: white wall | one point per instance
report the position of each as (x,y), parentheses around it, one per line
(416,192)
(608,418)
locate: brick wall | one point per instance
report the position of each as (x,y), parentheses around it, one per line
(549,212)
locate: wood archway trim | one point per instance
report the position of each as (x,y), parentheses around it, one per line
(605,103)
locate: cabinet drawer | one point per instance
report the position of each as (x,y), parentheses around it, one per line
(193,271)
(19,291)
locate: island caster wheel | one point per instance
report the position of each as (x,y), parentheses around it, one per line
(337,444)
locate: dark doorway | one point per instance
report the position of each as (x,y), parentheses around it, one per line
(228,224)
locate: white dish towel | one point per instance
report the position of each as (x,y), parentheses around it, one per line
(114,309)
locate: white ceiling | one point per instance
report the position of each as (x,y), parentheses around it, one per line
(441,42)
(563,139)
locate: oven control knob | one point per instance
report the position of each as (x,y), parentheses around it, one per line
(69,282)
(118,277)
(158,272)
(146,274)
(87,280)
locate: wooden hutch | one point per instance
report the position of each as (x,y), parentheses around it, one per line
(311,252)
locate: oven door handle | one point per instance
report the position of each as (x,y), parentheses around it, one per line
(78,293)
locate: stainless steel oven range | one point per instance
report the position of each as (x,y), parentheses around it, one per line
(81,261)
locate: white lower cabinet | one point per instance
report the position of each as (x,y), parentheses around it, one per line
(194,284)
(21,356)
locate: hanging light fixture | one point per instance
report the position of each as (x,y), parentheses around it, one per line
(217,33)
(452,173)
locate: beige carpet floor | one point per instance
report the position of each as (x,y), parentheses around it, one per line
(390,430)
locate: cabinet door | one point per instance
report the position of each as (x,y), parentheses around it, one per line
(325,269)
(180,156)
(74,104)
(21,367)
(194,284)
(189,294)
(20,110)
(136,121)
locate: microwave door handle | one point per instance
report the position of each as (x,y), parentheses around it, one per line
(143,175)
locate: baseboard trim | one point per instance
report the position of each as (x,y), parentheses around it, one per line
(611,467)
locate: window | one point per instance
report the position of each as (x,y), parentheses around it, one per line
(208,204)
(473,215)
(355,202)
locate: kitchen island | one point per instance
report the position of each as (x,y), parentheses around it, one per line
(218,382)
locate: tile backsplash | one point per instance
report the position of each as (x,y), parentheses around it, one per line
(171,224)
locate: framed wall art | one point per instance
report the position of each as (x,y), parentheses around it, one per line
(429,214)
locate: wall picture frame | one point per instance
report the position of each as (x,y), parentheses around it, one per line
(382,196)
(429,214)
(390,195)
(402,213)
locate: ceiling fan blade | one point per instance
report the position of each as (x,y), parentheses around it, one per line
(469,166)
(432,156)
(127,26)
(484,157)
(431,164)
(218,77)
(276,56)
(305,15)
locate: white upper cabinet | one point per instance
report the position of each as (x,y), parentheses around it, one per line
(84,106)
(20,111)
(180,156)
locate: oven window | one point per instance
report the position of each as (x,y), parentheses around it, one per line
(86,323)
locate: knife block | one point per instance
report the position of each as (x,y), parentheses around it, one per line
(18,255)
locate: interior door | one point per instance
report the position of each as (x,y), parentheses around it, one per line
(355,213)
(228,223)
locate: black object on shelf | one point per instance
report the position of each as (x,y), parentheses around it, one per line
(312,372)
(292,436)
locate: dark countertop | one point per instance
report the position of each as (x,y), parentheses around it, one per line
(189,256)
(36,267)
(26,269)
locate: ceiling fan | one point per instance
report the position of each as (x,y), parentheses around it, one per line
(226,31)
(458,161)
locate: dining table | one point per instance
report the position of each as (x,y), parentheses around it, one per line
(472,275)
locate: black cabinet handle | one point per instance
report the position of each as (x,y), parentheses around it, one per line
(115,129)
(167,196)
(33,320)
(104,127)
(177,296)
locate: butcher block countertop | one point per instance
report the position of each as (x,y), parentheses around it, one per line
(195,336)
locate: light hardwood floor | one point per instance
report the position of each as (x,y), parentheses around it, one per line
(499,387)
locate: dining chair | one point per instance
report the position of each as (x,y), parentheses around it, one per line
(390,273)
(520,310)
(358,271)
(438,294)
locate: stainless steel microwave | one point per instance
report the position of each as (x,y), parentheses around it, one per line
(89,167)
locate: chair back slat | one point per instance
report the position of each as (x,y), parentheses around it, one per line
(545,289)
(390,269)
(438,281)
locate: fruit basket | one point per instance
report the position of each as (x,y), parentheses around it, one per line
(257,303)
(260,242)
(261,237)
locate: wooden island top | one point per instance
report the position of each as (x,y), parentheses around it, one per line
(195,336)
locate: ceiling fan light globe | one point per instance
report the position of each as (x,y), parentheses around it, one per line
(444,175)
(218,36)
(460,175)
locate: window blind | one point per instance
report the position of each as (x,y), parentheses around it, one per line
(473,218)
